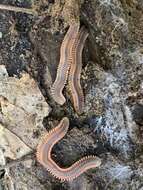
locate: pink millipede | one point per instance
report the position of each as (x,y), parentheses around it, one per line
(44,155)
(75,71)
(64,64)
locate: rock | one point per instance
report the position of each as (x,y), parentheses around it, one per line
(112,81)
(23,108)
(74,147)
(8,182)
(80,183)
(12,145)
(104,102)
(115,173)
(2,158)
(1,34)
(3,72)
(138,114)
(28,179)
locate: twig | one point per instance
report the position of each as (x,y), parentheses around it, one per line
(18,9)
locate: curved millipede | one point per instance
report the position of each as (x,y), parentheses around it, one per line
(44,155)
(64,64)
(75,71)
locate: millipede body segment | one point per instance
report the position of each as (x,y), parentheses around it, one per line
(44,155)
(70,66)
(64,64)
(75,71)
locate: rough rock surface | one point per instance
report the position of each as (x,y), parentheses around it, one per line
(111,126)
(12,145)
(23,107)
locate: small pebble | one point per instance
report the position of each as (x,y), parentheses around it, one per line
(138,114)
(0,35)
(28,163)
(51,1)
